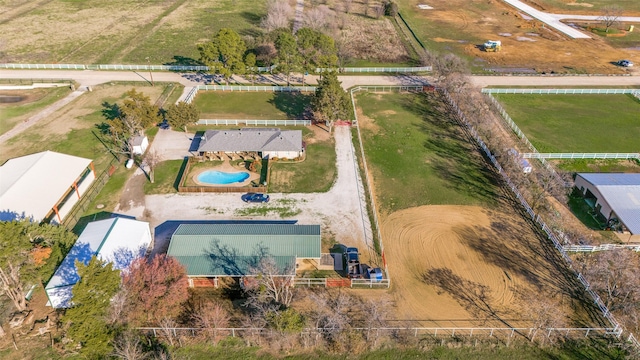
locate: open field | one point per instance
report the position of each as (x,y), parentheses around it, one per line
(586,165)
(252,105)
(34,101)
(588,7)
(461,26)
(471,260)
(576,123)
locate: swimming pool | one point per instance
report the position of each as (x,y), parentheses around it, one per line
(219,177)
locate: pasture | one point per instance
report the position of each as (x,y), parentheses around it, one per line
(252,105)
(459,251)
(576,123)
(589,7)
(33,102)
(462,26)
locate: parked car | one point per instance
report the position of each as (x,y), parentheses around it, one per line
(625,63)
(374,274)
(255,198)
(164,125)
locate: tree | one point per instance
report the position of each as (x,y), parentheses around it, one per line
(610,16)
(267,53)
(224,54)
(331,102)
(182,114)
(156,289)
(449,71)
(250,62)
(128,346)
(87,317)
(317,50)
(279,13)
(19,242)
(270,284)
(613,275)
(152,159)
(317,18)
(129,119)
(288,55)
(212,316)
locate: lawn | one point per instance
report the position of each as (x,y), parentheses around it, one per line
(11,114)
(252,105)
(576,123)
(167,175)
(315,174)
(594,7)
(598,165)
(417,156)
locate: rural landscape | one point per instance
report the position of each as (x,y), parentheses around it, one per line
(319,179)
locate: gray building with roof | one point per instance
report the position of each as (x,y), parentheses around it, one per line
(266,143)
(614,195)
(211,251)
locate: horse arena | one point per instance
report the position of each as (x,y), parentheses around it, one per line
(465,266)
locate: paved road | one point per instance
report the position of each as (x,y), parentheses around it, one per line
(548,19)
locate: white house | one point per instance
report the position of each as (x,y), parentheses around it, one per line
(140,144)
(43,186)
(267,143)
(117,240)
(615,196)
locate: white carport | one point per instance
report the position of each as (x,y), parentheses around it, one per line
(43,186)
(116,240)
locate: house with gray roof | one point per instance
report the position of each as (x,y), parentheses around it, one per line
(211,251)
(614,195)
(262,142)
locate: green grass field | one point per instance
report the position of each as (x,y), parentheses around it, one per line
(418,157)
(11,114)
(251,105)
(594,6)
(576,123)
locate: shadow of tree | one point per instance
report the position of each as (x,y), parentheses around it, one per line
(110,111)
(295,105)
(184,61)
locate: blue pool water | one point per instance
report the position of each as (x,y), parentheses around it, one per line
(219,177)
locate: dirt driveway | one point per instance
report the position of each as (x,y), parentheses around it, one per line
(339,210)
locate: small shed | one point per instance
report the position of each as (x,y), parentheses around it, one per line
(116,240)
(139,144)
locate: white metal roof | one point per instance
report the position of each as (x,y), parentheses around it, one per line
(622,193)
(31,185)
(116,240)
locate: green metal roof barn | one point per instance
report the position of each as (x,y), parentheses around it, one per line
(213,250)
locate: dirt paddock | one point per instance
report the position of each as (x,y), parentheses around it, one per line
(468,266)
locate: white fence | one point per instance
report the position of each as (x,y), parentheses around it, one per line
(258,88)
(438,332)
(560,91)
(338,282)
(617,329)
(596,248)
(254,122)
(202,68)
(580,155)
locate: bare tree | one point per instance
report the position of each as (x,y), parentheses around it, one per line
(610,16)
(167,329)
(279,14)
(11,286)
(366,6)
(543,311)
(266,53)
(117,308)
(271,284)
(128,346)
(212,316)
(347,6)
(152,159)
(613,274)
(377,311)
(378,11)
(318,18)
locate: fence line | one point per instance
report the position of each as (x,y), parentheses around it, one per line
(550,235)
(528,332)
(580,155)
(191,95)
(603,247)
(260,69)
(559,91)
(342,282)
(255,122)
(257,88)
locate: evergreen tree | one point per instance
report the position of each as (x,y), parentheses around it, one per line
(182,114)
(288,56)
(224,54)
(317,50)
(92,294)
(331,102)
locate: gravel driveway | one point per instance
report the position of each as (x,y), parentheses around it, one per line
(339,210)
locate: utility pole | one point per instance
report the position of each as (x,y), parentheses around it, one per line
(150,73)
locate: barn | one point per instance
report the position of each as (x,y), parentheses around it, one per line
(43,186)
(616,196)
(212,251)
(261,142)
(116,240)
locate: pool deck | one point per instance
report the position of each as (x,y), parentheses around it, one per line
(226,167)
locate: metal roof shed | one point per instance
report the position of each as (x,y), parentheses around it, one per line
(116,240)
(213,250)
(617,193)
